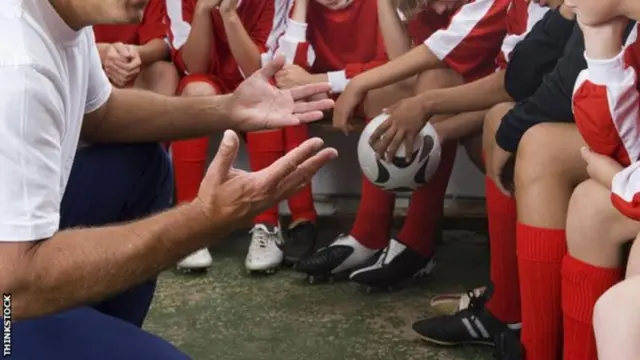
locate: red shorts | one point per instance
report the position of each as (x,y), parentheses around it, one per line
(216,83)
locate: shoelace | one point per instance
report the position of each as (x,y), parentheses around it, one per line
(263,238)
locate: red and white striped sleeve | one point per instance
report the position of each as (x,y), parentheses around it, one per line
(179,17)
(606,105)
(475,30)
(281,11)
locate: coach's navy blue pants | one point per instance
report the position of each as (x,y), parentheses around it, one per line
(108,184)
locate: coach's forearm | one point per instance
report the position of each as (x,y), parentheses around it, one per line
(478,95)
(133,115)
(83,266)
(414,62)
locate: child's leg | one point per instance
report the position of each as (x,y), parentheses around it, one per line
(190,163)
(302,233)
(596,232)
(264,148)
(504,303)
(190,156)
(376,207)
(616,318)
(548,168)
(301,203)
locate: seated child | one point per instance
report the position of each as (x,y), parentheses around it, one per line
(216,43)
(138,55)
(411,253)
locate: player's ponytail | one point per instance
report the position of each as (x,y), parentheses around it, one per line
(410,8)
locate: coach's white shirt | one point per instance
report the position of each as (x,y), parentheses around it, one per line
(50,76)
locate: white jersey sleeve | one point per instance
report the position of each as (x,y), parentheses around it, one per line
(100,88)
(30,154)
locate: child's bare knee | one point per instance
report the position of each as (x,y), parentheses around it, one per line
(546,152)
(198,88)
(437,79)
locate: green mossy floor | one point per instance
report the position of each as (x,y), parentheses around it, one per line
(229,315)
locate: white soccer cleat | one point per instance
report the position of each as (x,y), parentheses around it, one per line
(265,252)
(198,261)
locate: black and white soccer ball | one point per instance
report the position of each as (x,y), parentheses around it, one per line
(400,175)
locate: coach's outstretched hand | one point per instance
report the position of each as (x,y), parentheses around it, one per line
(258,105)
(231,198)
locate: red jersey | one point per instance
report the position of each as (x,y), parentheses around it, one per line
(342,43)
(521,17)
(153,26)
(257,16)
(467,39)
(606,105)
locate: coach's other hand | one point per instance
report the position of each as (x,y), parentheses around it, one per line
(231,198)
(258,105)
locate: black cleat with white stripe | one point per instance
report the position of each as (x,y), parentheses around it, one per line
(473,325)
(396,265)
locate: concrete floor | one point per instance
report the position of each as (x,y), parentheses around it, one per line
(228,315)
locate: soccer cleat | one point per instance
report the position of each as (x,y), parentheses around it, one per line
(198,261)
(396,264)
(265,253)
(452,303)
(339,258)
(473,325)
(301,242)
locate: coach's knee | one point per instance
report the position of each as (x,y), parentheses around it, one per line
(198,88)
(154,176)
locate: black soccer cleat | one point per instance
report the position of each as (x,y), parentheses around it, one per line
(342,256)
(396,264)
(473,325)
(300,242)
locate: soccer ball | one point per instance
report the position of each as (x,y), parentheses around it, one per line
(400,175)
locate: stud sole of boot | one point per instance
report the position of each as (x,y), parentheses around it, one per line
(192,270)
(270,271)
(415,279)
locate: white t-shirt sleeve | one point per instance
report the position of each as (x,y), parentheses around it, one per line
(30,154)
(100,88)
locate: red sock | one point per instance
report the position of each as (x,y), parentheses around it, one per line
(501,212)
(189,165)
(582,285)
(264,149)
(540,252)
(300,203)
(375,215)
(425,209)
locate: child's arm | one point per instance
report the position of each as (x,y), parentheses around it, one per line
(471,37)
(152,32)
(606,105)
(195,55)
(246,48)
(396,38)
